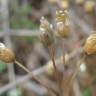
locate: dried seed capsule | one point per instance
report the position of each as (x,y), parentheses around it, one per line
(6,55)
(89,6)
(63,25)
(46,37)
(80,2)
(90,45)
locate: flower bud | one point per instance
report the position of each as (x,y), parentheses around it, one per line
(89,6)
(90,45)
(6,55)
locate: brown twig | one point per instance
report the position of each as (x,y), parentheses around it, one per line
(52,54)
(63,55)
(37,80)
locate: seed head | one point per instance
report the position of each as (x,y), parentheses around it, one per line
(90,45)
(46,37)
(6,55)
(63,24)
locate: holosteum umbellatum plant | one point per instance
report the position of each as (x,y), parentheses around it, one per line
(48,38)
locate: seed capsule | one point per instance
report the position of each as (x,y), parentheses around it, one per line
(63,24)
(6,55)
(89,6)
(46,37)
(90,45)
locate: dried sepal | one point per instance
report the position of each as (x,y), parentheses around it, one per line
(6,55)
(2,47)
(44,24)
(90,45)
(89,6)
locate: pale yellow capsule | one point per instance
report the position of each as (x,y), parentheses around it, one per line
(90,45)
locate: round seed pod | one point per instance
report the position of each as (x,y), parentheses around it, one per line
(65,4)
(79,2)
(6,55)
(90,45)
(89,6)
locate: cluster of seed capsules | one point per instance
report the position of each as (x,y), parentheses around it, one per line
(48,36)
(63,31)
(62,28)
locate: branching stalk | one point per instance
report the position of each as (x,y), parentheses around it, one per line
(37,80)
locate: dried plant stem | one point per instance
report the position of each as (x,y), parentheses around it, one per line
(63,55)
(75,74)
(52,53)
(37,80)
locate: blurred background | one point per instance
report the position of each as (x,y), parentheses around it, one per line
(19,31)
